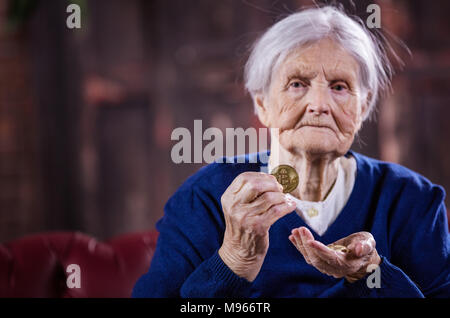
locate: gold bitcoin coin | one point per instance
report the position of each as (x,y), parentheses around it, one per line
(337,247)
(286,176)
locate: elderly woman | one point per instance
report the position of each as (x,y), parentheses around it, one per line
(230,231)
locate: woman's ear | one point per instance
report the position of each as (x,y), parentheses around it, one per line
(364,110)
(365,104)
(261,109)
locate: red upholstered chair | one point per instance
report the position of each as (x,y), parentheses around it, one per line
(35,265)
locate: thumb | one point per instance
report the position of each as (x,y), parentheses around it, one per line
(364,247)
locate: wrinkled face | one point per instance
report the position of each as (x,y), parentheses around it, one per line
(315,100)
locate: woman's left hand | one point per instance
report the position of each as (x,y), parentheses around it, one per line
(351,264)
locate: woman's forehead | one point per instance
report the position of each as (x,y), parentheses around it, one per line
(324,56)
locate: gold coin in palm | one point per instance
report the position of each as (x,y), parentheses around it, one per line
(286,176)
(337,247)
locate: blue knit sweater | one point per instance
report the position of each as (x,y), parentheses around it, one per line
(403,210)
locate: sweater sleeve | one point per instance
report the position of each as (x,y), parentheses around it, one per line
(215,279)
(186,262)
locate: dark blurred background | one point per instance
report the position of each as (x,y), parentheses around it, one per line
(86,114)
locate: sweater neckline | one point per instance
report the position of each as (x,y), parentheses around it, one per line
(293,220)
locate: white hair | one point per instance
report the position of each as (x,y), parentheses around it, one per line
(309,26)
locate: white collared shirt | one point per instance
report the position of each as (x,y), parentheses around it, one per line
(320,215)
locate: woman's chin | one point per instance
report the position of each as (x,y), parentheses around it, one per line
(319,147)
(310,143)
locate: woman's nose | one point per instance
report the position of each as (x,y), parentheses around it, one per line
(318,102)
(318,109)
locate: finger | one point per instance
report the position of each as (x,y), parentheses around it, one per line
(324,259)
(305,233)
(324,251)
(268,199)
(363,247)
(366,247)
(353,238)
(304,236)
(242,179)
(295,239)
(278,211)
(324,263)
(337,259)
(317,251)
(299,247)
(253,188)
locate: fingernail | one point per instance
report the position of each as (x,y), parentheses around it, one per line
(289,201)
(358,249)
(366,248)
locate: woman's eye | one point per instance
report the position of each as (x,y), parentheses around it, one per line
(297,85)
(339,87)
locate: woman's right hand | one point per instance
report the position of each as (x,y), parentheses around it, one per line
(251,204)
